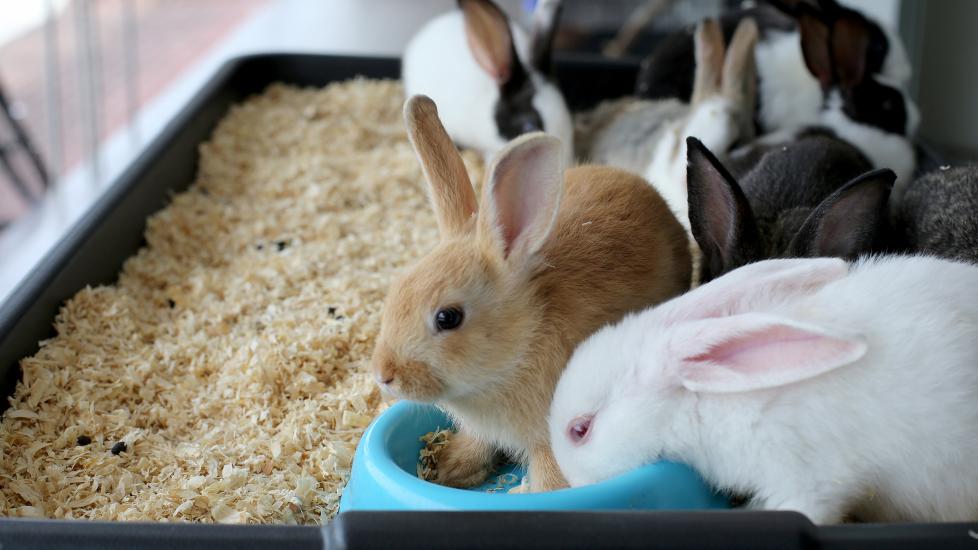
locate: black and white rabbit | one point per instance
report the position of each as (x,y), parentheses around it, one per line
(821,65)
(490,81)
(938,214)
(815,196)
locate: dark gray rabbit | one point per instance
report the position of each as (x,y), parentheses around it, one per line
(814,196)
(492,82)
(938,214)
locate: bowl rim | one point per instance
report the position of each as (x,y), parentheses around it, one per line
(379,463)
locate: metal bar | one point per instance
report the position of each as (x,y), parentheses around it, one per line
(88,87)
(7,164)
(130,66)
(98,91)
(20,139)
(52,93)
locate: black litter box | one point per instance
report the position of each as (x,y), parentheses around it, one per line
(94,251)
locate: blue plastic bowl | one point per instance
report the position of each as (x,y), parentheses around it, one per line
(384,477)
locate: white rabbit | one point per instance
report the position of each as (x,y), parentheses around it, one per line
(491,82)
(803,383)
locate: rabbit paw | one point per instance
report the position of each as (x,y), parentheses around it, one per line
(464,462)
(544,473)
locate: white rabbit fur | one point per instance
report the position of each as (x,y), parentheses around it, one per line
(713,122)
(792,99)
(791,96)
(439,63)
(884,150)
(890,434)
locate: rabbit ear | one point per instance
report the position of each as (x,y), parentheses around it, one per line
(848,221)
(740,76)
(754,284)
(545,17)
(815,45)
(720,217)
(488,34)
(738,65)
(451,193)
(709,53)
(755,351)
(521,197)
(850,43)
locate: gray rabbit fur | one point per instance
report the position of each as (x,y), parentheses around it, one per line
(814,196)
(622,132)
(938,214)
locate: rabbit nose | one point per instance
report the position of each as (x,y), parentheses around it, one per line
(384,366)
(385,374)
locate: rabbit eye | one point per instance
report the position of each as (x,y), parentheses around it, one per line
(579,428)
(448,318)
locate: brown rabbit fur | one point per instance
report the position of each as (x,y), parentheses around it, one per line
(548,258)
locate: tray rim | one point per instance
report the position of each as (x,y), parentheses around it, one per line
(348,526)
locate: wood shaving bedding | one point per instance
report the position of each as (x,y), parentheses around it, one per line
(225,376)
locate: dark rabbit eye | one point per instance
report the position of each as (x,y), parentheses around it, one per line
(579,428)
(448,318)
(530,126)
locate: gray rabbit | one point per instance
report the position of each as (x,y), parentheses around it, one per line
(814,196)
(938,214)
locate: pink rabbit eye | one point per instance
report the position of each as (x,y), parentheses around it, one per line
(579,428)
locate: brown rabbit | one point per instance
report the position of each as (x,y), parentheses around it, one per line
(484,324)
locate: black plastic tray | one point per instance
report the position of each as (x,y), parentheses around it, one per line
(93,253)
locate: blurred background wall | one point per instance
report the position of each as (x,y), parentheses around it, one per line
(89,83)
(947,72)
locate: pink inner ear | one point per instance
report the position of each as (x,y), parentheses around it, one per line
(762,351)
(815,47)
(763,356)
(525,191)
(517,205)
(488,36)
(850,40)
(755,285)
